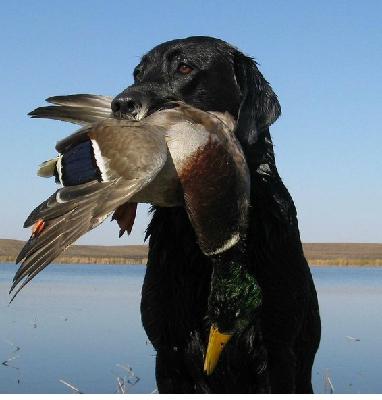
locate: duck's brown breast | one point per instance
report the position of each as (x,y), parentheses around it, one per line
(215,196)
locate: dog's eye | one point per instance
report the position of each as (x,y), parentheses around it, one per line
(185,69)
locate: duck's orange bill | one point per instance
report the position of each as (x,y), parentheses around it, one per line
(216,344)
(38,227)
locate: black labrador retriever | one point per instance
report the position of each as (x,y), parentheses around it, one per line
(275,354)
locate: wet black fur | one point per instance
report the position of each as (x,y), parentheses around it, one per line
(275,354)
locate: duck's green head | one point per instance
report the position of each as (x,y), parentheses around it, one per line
(234,299)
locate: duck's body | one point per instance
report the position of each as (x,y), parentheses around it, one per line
(179,156)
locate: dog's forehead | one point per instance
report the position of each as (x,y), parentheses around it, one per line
(202,48)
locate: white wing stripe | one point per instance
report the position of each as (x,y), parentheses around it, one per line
(101,162)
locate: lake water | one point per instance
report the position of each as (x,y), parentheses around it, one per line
(81,324)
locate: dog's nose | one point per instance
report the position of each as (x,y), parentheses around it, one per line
(127,104)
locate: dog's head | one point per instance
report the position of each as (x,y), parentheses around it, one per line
(206,73)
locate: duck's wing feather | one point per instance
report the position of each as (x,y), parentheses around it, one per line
(74,210)
(82,100)
(79,109)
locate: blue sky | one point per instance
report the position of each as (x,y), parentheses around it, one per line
(323,59)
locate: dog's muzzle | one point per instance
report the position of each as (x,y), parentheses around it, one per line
(140,100)
(130,105)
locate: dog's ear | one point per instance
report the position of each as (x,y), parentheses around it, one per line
(259,106)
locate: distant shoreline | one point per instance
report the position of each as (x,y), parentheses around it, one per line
(317,254)
(128,262)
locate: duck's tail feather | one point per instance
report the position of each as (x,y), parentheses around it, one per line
(79,109)
(48,168)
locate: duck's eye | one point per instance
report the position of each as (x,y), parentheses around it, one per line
(185,69)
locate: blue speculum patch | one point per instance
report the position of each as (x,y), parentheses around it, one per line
(78,165)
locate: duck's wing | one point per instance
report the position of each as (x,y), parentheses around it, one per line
(79,109)
(215,179)
(128,156)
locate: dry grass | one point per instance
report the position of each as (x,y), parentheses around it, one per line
(344,254)
(81,254)
(336,254)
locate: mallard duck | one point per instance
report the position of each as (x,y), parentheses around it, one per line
(178,155)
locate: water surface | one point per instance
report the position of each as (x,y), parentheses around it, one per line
(76,323)
(81,324)
(351,345)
